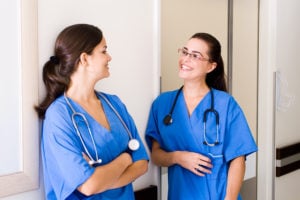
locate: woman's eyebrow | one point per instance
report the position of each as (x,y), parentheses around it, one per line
(185,48)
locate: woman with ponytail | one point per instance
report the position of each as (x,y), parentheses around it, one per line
(85,151)
(199,131)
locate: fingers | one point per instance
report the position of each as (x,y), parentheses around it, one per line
(205,163)
(201,170)
(204,158)
(85,157)
(203,166)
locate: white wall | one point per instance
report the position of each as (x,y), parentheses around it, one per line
(9,123)
(131,31)
(287,93)
(278,52)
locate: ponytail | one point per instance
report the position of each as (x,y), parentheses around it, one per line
(55,85)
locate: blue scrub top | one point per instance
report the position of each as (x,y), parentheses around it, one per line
(63,165)
(186,134)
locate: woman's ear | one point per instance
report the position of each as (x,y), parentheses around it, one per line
(83,59)
(213,66)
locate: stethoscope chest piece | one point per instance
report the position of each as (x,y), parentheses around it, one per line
(168,119)
(133,144)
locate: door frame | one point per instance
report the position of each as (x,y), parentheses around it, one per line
(266,102)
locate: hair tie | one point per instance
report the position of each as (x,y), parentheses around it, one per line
(54,60)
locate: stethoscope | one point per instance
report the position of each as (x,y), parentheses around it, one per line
(168,118)
(133,143)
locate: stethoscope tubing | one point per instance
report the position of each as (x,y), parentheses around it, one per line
(118,115)
(81,139)
(211,110)
(74,114)
(133,143)
(168,118)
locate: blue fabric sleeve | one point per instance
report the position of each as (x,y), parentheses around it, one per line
(152,130)
(64,165)
(239,140)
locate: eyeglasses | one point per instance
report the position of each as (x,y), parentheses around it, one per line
(194,56)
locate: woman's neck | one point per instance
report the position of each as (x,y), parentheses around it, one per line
(193,90)
(193,94)
(81,88)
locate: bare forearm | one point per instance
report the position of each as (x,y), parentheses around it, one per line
(132,172)
(163,158)
(105,176)
(235,178)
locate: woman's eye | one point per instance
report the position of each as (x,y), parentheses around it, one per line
(185,53)
(195,56)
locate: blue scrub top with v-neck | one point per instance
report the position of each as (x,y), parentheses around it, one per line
(64,167)
(186,134)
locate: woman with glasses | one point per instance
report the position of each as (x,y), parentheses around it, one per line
(90,145)
(199,131)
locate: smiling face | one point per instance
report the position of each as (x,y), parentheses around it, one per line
(98,61)
(194,61)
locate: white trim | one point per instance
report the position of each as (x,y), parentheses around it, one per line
(157,73)
(288,160)
(28,178)
(267,58)
(157,46)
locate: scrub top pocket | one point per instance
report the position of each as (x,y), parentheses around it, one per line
(219,169)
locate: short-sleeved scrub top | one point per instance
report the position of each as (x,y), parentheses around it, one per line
(64,167)
(186,134)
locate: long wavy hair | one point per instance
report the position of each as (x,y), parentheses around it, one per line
(70,44)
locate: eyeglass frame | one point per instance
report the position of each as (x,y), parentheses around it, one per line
(194,55)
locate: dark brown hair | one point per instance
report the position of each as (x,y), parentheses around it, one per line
(216,78)
(70,44)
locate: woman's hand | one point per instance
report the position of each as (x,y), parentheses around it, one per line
(195,162)
(105,176)
(86,158)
